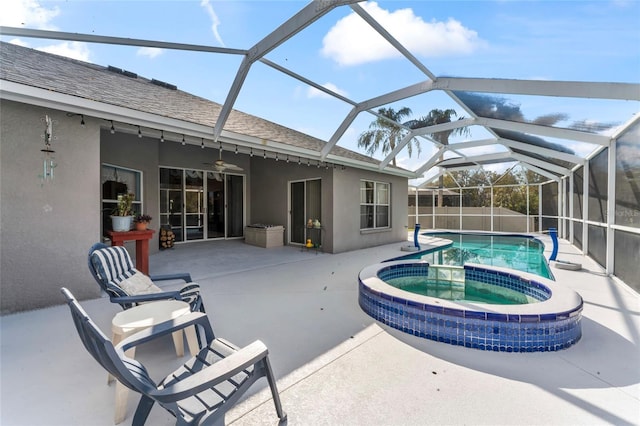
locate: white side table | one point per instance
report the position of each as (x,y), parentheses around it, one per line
(138,318)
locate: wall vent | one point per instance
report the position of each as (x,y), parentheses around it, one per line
(122,72)
(163,84)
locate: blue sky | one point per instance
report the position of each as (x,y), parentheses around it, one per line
(548,40)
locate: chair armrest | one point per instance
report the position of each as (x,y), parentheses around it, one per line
(215,373)
(185,276)
(151,297)
(168,327)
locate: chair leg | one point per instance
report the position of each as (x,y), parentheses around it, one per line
(274,390)
(178,342)
(192,340)
(143,410)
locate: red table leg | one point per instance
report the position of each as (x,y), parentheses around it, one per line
(142,246)
(142,256)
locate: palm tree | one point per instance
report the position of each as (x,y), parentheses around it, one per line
(438,116)
(385,134)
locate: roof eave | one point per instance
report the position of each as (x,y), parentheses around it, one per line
(31,95)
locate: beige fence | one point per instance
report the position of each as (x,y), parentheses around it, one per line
(471,218)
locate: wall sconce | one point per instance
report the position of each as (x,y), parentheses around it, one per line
(48,163)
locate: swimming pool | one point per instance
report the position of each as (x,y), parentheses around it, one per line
(552,323)
(521,252)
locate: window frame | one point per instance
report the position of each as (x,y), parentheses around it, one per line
(108,204)
(376,204)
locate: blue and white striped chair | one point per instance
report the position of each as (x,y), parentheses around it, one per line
(114,272)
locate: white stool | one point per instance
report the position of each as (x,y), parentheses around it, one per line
(138,318)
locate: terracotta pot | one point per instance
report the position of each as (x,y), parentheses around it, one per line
(141,226)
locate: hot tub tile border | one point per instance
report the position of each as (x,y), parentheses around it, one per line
(500,332)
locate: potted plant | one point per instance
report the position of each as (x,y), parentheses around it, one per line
(122,215)
(142,221)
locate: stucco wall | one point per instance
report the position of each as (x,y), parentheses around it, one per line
(130,151)
(347,211)
(147,154)
(270,192)
(340,202)
(46,230)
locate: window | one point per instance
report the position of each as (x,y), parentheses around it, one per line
(374,205)
(116,181)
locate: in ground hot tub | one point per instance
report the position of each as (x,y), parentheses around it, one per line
(550,319)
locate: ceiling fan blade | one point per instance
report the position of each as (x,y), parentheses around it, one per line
(221,166)
(232,167)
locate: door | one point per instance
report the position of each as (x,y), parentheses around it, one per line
(215,205)
(199,204)
(235,206)
(194,204)
(304,204)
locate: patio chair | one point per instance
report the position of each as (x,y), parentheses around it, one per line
(198,393)
(113,270)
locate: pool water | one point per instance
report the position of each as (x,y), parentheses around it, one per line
(467,291)
(520,252)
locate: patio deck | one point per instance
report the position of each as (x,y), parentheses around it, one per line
(335,365)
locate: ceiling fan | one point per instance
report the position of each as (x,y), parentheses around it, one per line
(222,166)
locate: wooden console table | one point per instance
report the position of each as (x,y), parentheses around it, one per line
(142,245)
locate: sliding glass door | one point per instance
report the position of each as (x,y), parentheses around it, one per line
(200,205)
(304,204)
(215,205)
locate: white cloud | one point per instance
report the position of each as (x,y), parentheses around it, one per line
(215,22)
(27,13)
(70,49)
(312,92)
(33,14)
(150,52)
(351,41)
(19,42)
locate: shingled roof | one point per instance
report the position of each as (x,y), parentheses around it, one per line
(114,86)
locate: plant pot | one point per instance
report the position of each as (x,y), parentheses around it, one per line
(141,226)
(121,223)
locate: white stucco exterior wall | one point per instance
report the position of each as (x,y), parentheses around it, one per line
(46,230)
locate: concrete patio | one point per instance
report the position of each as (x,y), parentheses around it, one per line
(334,364)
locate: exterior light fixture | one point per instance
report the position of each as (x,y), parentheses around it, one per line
(139,132)
(113,129)
(202,143)
(183,141)
(250,152)
(82,120)
(236,151)
(161,135)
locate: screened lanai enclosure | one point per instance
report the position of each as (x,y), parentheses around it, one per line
(595,205)
(500,118)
